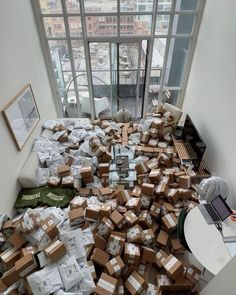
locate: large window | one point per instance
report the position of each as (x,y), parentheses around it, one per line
(136,50)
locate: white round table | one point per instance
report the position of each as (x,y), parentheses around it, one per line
(206,242)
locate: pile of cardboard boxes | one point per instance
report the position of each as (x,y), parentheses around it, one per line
(133,246)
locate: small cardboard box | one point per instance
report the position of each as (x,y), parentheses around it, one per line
(176,247)
(160,258)
(162,280)
(115,244)
(168,207)
(105,211)
(136,191)
(155,227)
(100,242)
(162,189)
(117,219)
(132,254)
(10,277)
(67,181)
(135,234)
(10,256)
(193,274)
(169,222)
(84,191)
(155,210)
(50,228)
(123,196)
(145,219)
(103,168)
(63,170)
(135,284)
(78,202)
(105,227)
(3,287)
(54,181)
(173,267)
(104,191)
(120,287)
(29,249)
(106,285)
(141,168)
(143,271)
(92,212)
(162,238)
(148,255)
(100,257)
(76,216)
(153,164)
(145,201)
(86,172)
(145,137)
(148,237)
(148,189)
(115,266)
(26,265)
(55,251)
(131,218)
(134,204)
(185,181)
(155,175)
(17,240)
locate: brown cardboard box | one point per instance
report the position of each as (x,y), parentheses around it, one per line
(92,269)
(141,178)
(105,211)
(115,266)
(3,287)
(143,271)
(132,254)
(145,201)
(173,267)
(63,138)
(176,247)
(105,191)
(135,234)
(117,219)
(84,192)
(193,274)
(141,168)
(162,238)
(123,196)
(63,170)
(50,228)
(76,216)
(17,240)
(155,175)
(29,249)
(115,244)
(155,227)
(155,210)
(173,194)
(86,172)
(120,287)
(136,191)
(135,284)
(148,254)
(55,251)
(134,204)
(148,237)
(145,137)
(145,219)
(87,180)
(148,189)
(26,265)
(100,242)
(103,168)
(67,181)
(169,222)
(89,251)
(131,218)
(185,181)
(10,277)
(153,164)
(162,189)
(92,212)
(106,285)
(100,257)
(78,203)
(10,256)
(160,258)
(168,207)
(105,227)
(54,181)
(162,280)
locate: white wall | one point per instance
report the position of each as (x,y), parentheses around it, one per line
(21,62)
(211,92)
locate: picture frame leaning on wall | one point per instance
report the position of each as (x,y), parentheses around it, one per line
(21,116)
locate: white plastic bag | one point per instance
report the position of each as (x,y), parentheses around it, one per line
(212,187)
(42,176)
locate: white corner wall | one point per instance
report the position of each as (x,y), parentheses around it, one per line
(210,97)
(21,62)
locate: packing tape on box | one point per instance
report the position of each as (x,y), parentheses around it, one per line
(28,269)
(132,202)
(170,264)
(117,269)
(106,285)
(113,261)
(196,276)
(145,201)
(114,247)
(133,232)
(54,245)
(158,255)
(121,289)
(190,271)
(170,220)
(133,282)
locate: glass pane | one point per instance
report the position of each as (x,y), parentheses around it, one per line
(176,60)
(78,54)
(101,25)
(139,6)
(162,24)
(60,55)
(183,24)
(135,25)
(164,5)
(186,4)
(72,6)
(158,53)
(171,96)
(54,26)
(75,26)
(100,6)
(48,6)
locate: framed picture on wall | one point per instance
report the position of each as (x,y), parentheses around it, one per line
(21,115)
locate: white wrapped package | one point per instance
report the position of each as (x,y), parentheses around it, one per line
(74,243)
(212,187)
(77,135)
(87,236)
(43,156)
(55,159)
(42,176)
(85,149)
(70,272)
(49,124)
(134,138)
(45,281)
(61,292)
